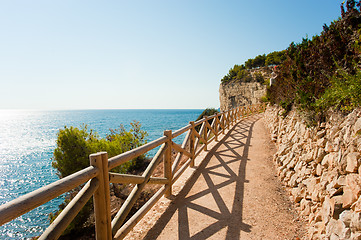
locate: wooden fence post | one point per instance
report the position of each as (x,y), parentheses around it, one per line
(191,144)
(228,119)
(205,131)
(222,118)
(230,122)
(216,126)
(101,197)
(168,163)
(233,116)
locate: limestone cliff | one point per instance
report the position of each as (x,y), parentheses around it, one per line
(234,94)
(238,93)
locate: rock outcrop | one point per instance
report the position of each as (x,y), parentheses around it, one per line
(321,167)
(239,93)
(234,94)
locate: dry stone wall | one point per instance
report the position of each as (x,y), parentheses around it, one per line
(320,166)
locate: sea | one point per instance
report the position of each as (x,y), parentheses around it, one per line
(28,140)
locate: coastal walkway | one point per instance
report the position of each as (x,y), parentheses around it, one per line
(220,183)
(234,193)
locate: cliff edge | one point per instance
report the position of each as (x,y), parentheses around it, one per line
(236,93)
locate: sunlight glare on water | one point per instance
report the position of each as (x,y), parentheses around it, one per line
(26,145)
(27,142)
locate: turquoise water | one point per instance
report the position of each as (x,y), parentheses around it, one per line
(27,142)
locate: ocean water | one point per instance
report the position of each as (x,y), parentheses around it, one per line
(27,142)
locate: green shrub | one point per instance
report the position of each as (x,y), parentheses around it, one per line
(275,58)
(73,148)
(241,72)
(259,77)
(344,93)
(206,112)
(287,106)
(265,99)
(74,145)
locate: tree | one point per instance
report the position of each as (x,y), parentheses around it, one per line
(259,61)
(249,63)
(275,58)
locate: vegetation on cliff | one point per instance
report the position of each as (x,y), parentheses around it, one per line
(318,73)
(242,72)
(321,72)
(74,145)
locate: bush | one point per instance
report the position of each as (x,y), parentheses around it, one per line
(344,93)
(74,145)
(259,77)
(206,112)
(73,148)
(275,58)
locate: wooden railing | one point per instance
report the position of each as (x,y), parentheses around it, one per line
(97,178)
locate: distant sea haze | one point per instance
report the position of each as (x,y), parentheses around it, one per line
(27,142)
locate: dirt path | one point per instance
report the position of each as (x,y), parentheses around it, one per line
(234,194)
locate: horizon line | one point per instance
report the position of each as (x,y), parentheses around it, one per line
(82,109)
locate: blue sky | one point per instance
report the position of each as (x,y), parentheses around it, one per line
(140,54)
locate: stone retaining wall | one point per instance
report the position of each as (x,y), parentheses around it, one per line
(320,166)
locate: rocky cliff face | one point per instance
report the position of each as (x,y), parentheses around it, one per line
(238,93)
(321,167)
(234,94)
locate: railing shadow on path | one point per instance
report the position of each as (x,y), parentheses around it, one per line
(217,207)
(96,179)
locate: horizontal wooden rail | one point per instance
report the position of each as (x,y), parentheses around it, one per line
(181,131)
(27,202)
(134,179)
(127,156)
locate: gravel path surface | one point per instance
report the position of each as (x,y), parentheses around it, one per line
(233,194)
